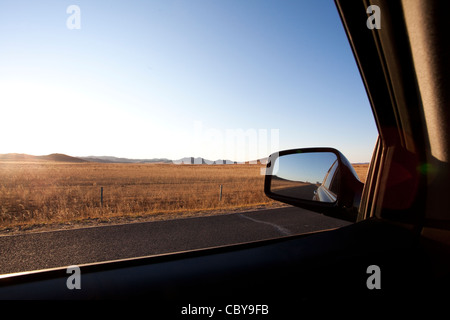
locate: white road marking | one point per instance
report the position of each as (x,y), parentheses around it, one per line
(282,230)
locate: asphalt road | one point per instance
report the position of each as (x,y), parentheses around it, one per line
(52,249)
(300,192)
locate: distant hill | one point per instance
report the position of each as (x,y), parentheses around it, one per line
(59,157)
(185,160)
(109,159)
(198,160)
(51,157)
(17,157)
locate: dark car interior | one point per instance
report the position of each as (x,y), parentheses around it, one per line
(402,225)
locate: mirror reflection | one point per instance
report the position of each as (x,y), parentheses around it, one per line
(306,176)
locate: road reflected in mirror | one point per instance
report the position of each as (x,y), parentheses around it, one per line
(306,176)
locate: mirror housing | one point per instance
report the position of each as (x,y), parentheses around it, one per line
(346,197)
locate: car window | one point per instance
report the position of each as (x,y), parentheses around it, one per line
(133,128)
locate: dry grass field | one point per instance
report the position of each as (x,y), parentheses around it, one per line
(45,193)
(361,171)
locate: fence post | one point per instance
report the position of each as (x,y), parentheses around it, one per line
(220,194)
(101,196)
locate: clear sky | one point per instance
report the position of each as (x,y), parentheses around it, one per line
(234,79)
(305,167)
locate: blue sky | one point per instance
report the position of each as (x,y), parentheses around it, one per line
(233,79)
(305,167)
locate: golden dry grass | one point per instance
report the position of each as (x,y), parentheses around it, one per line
(47,192)
(361,171)
(55,192)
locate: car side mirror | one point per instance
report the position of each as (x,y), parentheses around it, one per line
(317,179)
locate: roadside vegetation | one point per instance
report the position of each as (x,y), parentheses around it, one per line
(48,193)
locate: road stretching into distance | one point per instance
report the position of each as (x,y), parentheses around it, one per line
(51,249)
